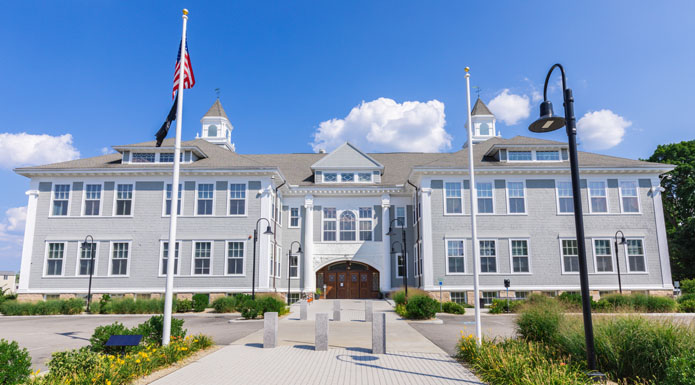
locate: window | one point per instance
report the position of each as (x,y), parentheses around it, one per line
(294,265)
(547,155)
(521,294)
(628,196)
(165,257)
(85,262)
(61,199)
(488,296)
(201,258)
(143,157)
(119,258)
(484,129)
(519,156)
(400,216)
(484,193)
(604,255)
(54,262)
(453,198)
(460,297)
(347,226)
(565,197)
(364,176)
(206,192)
(271,254)
(124,199)
(400,265)
(92,199)
(347,177)
(168,201)
(166,157)
(516,197)
(278,261)
(365,223)
(329,224)
(570,256)
(212,130)
(273,209)
(455,256)
(597,193)
(330,177)
(635,256)
(235,258)
(520,259)
(294,217)
(416,258)
(488,257)
(237,199)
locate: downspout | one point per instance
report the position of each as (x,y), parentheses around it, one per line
(417,240)
(275,232)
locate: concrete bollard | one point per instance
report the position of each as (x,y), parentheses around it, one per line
(368,311)
(379,333)
(270,329)
(321,339)
(336,310)
(303,310)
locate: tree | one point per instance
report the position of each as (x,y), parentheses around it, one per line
(679,205)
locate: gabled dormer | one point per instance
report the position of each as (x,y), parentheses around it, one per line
(347,164)
(216,127)
(521,149)
(483,123)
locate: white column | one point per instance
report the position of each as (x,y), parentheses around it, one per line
(308,245)
(385,274)
(662,241)
(28,245)
(264,250)
(426,228)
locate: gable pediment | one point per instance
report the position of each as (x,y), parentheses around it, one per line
(347,157)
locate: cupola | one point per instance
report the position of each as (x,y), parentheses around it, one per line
(483,123)
(216,127)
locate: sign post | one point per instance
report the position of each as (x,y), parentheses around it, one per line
(507,283)
(440,293)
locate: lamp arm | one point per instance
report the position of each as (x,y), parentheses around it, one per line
(547,78)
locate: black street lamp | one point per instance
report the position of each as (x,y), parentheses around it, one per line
(289,266)
(405,267)
(392,232)
(546,123)
(268,231)
(91,266)
(617,260)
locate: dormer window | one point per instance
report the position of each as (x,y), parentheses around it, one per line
(548,155)
(212,130)
(534,156)
(143,157)
(330,177)
(347,177)
(364,177)
(520,156)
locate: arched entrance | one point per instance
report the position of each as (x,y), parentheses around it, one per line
(349,280)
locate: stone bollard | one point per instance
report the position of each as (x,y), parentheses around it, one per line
(303,310)
(379,333)
(368,311)
(270,329)
(336,311)
(321,339)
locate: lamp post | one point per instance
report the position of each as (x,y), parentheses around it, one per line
(546,123)
(268,231)
(392,232)
(289,266)
(91,266)
(617,260)
(405,267)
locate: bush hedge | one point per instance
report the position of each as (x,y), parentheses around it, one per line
(453,308)
(399,298)
(151,331)
(688,286)
(225,304)
(15,363)
(421,307)
(184,305)
(263,303)
(200,302)
(69,306)
(499,306)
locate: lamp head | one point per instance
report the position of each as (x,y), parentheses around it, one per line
(622,240)
(268,231)
(547,122)
(299,250)
(390,232)
(393,251)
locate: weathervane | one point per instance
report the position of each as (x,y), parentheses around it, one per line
(217,91)
(477,90)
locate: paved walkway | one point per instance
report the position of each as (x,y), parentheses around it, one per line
(410,359)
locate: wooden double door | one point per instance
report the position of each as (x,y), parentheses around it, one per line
(349,281)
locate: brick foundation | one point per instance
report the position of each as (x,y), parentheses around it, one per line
(29,297)
(214,296)
(156,296)
(661,293)
(188,296)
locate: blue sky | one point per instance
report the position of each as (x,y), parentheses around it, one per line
(102,73)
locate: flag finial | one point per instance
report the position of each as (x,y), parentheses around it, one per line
(467,69)
(185,11)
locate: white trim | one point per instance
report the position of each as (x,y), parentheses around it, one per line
(637,190)
(562,256)
(506,191)
(226,257)
(164,200)
(627,257)
(63,266)
(299,264)
(478,181)
(84,199)
(79,260)
(53,190)
(299,216)
(115,199)
(557,196)
(605,197)
(497,257)
(129,259)
(446,256)
(161,257)
(528,256)
(212,253)
(612,256)
(29,228)
(195,209)
(661,238)
(444,197)
(395,261)
(228,189)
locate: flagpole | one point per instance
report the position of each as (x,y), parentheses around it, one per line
(474,212)
(171,255)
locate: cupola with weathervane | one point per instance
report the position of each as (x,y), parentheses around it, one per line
(216,127)
(483,123)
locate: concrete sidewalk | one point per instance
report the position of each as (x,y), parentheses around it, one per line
(410,358)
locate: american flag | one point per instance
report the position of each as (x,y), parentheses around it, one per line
(188,78)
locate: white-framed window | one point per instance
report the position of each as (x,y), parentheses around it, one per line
(347,226)
(400,265)
(205,201)
(278,261)
(330,177)
(488,256)
(460,297)
(548,156)
(488,296)
(271,257)
(455,259)
(273,209)
(516,196)
(294,217)
(279,208)
(565,198)
(634,250)
(167,200)
(347,177)
(92,199)
(120,252)
(603,255)
(629,198)
(485,195)
(84,263)
(570,255)
(212,130)
(416,255)
(202,258)
(454,199)
(365,223)
(521,294)
(166,157)
(164,258)
(520,256)
(364,177)
(237,199)
(400,216)
(598,196)
(61,200)
(519,156)
(124,199)
(294,265)
(142,157)
(235,258)
(55,255)
(329,224)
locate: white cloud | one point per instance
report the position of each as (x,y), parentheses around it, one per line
(16,216)
(600,130)
(11,237)
(26,149)
(385,125)
(106,151)
(510,108)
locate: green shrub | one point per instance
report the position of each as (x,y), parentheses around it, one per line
(688,286)
(249,308)
(184,305)
(97,343)
(539,320)
(401,311)
(148,306)
(421,307)
(73,306)
(499,306)
(200,302)
(617,301)
(15,363)
(680,370)
(453,308)
(687,306)
(67,363)
(103,302)
(271,303)
(658,304)
(70,306)
(573,300)
(152,329)
(685,297)
(399,297)
(225,304)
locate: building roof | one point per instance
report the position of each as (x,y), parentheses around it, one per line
(5,272)
(216,110)
(481,109)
